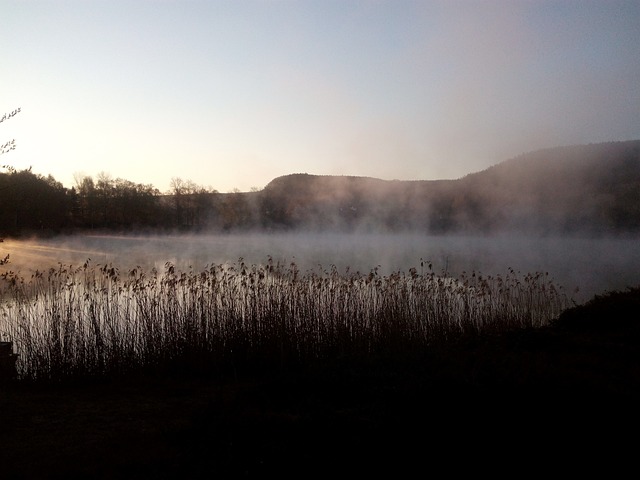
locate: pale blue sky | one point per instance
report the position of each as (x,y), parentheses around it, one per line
(231,94)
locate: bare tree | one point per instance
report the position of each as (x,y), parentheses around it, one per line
(11,144)
(6,148)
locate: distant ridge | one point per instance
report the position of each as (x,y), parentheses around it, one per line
(591,188)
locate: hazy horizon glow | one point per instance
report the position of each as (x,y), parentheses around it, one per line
(231,94)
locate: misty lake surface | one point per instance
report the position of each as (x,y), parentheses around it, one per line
(583,267)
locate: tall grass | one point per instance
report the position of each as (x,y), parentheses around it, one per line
(95,320)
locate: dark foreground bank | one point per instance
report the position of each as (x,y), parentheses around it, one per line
(564,395)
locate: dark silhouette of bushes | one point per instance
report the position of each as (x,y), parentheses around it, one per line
(612,312)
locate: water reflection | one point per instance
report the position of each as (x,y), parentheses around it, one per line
(590,266)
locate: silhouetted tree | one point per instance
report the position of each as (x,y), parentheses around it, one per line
(6,148)
(87,203)
(31,202)
(11,144)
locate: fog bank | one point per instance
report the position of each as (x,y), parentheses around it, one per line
(583,267)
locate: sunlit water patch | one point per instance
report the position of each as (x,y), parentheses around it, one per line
(583,266)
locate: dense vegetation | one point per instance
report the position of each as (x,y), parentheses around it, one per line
(94,321)
(586,189)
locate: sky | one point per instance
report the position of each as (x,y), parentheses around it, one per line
(232,94)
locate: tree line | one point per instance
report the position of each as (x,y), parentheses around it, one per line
(582,189)
(31,203)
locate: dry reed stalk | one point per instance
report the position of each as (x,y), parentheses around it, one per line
(93,321)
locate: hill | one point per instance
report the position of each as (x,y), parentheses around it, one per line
(577,189)
(594,188)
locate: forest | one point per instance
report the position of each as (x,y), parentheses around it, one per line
(584,189)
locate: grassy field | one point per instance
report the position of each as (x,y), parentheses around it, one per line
(538,393)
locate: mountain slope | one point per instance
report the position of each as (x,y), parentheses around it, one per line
(577,189)
(593,188)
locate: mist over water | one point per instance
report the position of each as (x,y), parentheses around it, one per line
(583,267)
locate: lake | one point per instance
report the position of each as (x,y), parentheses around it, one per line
(582,266)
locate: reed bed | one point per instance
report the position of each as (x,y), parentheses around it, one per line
(94,320)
